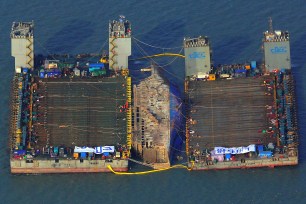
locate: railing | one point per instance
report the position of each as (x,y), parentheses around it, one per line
(30,53)
(112,60)
(129,113)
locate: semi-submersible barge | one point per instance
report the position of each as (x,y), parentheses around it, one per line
(242,115)
(71,114)
(81,114)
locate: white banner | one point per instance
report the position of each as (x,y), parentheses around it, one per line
(83,149)
(235,150)
(98,150)
(108,149)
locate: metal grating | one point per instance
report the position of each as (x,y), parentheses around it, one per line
(228,113)
(82,112)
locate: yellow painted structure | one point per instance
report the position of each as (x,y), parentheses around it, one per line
(212,77)
(129,115)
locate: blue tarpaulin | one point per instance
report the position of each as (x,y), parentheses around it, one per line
(100,65)
(267,154)
(260,148)
(19,152)
(91,69)
(25,70)
(83,154)
(240,71)
(253,64)
(55,150)
(42,74)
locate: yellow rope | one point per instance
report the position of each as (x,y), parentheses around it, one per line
(162,55)
(147,172)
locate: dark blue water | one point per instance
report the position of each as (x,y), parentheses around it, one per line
(235,29)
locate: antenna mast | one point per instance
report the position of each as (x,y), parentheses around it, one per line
(270,25)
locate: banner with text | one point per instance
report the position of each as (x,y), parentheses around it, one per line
(235,150)
(83,149)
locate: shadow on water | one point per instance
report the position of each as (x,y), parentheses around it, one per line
(70,37)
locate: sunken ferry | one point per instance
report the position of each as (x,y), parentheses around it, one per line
(83,113)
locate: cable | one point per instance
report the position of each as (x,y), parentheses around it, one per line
(146,54)
(163,48)
(50,54)
(149,171)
